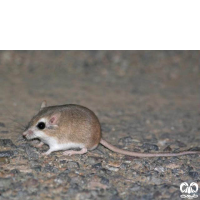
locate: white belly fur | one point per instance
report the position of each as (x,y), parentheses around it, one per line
(55,146)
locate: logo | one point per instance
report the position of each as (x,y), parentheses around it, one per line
(189,190)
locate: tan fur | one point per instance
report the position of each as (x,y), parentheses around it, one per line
(75,124)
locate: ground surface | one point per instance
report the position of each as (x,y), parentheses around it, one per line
(147,101)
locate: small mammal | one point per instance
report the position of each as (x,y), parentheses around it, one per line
(73,126)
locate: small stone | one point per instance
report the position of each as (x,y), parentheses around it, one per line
(49,168)
(6,143)
(104,180)
(62,178)
(4,160)
(194,174)
(115,197)
(156,195)
(31,153)
(73,165)
(6,154)
(2,124)
(181,144)
(159,169)
(97,166)
(115,169)
(15,171)
(5,182)
(173,166)
(4,132)
(168,149)
(155,180)
(114,163)
(123,166)
(149,146)
(37,168)
(126,140)
(31,182)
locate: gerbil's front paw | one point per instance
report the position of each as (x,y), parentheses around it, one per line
(39,145)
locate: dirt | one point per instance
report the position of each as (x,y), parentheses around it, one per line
(146,101)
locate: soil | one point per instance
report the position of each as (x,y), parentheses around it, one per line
(146,101)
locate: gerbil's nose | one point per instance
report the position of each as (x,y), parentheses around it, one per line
(27,132)
(24,133)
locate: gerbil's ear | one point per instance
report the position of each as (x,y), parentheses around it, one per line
(43,105)
(54,118)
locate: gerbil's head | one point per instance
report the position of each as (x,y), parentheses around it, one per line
(45,121)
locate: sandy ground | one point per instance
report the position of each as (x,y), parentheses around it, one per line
(146,101)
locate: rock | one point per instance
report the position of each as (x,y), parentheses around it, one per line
(114,163)
(115,197)
(6,154)
(2,124)
(181,144)
(149,146)
(31,182)
(37,168)
(49,168)
(4,160)
(126,140)
(97,166)
(15,171)
(72,165)
(194,174)
(168,149)
(7,143)
(62,178)
(5,182)
(31,153)
(4,132)
(104,180)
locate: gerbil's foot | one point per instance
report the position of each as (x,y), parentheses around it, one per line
(71,152)
(39,145)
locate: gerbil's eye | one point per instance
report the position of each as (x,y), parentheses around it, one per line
(41,125)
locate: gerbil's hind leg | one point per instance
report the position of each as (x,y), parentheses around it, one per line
(71,152)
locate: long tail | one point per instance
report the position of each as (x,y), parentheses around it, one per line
(136,154)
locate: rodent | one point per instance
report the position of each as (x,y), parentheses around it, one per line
(71,126)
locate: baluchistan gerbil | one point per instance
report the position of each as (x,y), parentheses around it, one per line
(71,126)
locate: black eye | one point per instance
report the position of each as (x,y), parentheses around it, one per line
(41,125)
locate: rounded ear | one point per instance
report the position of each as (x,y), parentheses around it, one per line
(54,118)
(43,105)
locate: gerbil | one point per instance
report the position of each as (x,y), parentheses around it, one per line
(72,126)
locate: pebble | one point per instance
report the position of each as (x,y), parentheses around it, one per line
(193,174)
(115,169)
(72,165)
(49,168)
(31,152)
(97,166)
(4,132)
(149,146)
(6,143)
(6,154)
(5,182)
(2,124)
(114,163)
(4,160)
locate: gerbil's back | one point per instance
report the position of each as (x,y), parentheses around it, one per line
(80,124)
